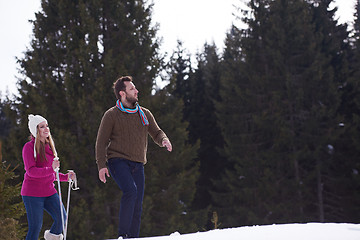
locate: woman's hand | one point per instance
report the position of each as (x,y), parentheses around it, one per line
(72,175)
(56,163)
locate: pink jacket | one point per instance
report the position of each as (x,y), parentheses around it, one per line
(39,176)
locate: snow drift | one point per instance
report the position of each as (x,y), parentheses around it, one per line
(308,231)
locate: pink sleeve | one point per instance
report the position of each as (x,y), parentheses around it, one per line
(30,164)
(63,177)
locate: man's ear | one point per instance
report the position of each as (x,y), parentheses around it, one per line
(122,93)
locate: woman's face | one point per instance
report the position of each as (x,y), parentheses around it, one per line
(44,131)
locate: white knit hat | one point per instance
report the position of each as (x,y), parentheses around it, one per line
(34,120)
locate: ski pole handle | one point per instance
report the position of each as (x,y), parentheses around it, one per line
(57,168)
(75,187)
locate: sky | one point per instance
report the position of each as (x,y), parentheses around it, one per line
(194,22)
(305,231)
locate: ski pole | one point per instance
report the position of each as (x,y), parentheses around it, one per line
(59,190)
(59,187)
(67,209)
(71,182)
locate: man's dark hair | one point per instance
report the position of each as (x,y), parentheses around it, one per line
(120,86)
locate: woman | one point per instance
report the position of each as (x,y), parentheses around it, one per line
(38,189)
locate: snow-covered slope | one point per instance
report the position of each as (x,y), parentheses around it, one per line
(308,231)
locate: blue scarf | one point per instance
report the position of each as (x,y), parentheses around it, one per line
(137,108)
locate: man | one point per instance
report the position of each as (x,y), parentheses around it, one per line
(122,142)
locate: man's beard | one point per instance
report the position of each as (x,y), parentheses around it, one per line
(131,100)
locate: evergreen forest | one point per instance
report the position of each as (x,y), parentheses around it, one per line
(264,131)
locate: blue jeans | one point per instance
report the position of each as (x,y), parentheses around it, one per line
(130,178)
(35,207)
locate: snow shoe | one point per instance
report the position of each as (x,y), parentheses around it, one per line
(50,236)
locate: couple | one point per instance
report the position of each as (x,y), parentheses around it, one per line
(121,147)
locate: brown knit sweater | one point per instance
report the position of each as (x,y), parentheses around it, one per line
(123,135)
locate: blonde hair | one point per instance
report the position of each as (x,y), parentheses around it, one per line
(40,148)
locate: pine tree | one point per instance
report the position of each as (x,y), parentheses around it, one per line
(4,120)
(280,74)
(78,50)
(170,177)
(203,121)
(199,90)
(179,70)
(347,147)
(11,207)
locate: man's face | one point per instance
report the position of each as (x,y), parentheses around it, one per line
(131,93)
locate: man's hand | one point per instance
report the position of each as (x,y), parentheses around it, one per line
(166,143)
(102,175)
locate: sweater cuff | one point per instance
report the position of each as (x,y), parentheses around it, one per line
(64,177)
(101,165)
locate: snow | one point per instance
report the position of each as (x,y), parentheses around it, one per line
(296,231)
